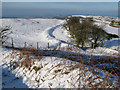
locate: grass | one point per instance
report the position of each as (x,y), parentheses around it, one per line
(36,68)
(116,26)
(28,58)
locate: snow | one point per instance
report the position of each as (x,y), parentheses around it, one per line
(108,28)
(45,31)
(102,51)
(55,72)
(0,77)
(31,31)
(113,44)
(61,34)
(112,30)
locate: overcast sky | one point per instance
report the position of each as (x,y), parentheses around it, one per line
(59,0)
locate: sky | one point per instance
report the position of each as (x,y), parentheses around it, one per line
(59,0)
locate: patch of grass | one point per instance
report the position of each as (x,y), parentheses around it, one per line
(36,68)
(28,60)
(116,26)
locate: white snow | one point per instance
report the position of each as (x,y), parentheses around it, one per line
(61,34)
(108,28)
(51,74)
(31,31)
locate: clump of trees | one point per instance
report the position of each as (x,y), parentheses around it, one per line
(83,30)
(112,22)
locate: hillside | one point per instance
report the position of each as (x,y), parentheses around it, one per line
(39,53)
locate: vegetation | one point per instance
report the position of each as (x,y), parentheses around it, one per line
(115,24)
(27,61)
(110,36)
(4,33)
(112,22)
(118,23)
(85,30)
(82,31)
(97,34)
(35,68)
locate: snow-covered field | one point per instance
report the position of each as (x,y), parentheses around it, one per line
(53,72)
(50,31)
(31,31)
(45,31)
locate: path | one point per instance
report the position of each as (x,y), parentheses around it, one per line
(109,62)
(50,32)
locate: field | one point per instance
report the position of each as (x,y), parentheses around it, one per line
(39,53)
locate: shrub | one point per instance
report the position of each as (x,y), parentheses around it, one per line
(3,34)
(84,29)
(36,68)
(110,36)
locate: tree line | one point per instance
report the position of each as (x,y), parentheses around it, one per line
(85,30)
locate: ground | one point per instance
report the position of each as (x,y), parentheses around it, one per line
(54,71)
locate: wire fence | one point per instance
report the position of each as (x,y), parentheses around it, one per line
(25,58)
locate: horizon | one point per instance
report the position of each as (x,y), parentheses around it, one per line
(60,1)
(51,9)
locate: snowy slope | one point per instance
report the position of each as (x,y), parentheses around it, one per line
(53,73)
(30,31)
(61,34)
(50,31)
(108,28)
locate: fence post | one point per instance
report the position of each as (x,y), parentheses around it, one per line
(59,46)
(37,46)
(48,45)
(12,42)
(25,45)
(68,45)
(37,49)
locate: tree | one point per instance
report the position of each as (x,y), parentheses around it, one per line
(71,25)
(119,23)
(97,34)
(85,29)
(78,29)
(110,36)
(82,33)
(112,22)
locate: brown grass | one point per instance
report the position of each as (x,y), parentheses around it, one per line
(116,26)
(29,60)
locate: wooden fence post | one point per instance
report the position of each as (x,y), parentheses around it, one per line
(12,43)
(68,43)
(37,46)
(37,49)
(59,45)
(25,45)
(48,45)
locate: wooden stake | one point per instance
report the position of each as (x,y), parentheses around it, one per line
(48,45)
(25,45)
(37,46)
(12,42)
